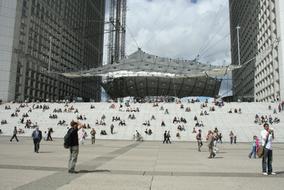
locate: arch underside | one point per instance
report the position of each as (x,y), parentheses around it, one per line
(141,86)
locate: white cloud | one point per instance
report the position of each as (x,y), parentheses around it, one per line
(180,29)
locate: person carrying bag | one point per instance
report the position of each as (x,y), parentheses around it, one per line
(267,136)
(260,149)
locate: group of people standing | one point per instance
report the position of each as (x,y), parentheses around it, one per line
(265,143)
(212,138)
(265,146)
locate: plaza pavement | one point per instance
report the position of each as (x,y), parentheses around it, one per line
(150,165)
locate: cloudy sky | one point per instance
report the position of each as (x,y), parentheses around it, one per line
(184,29)
(181,29)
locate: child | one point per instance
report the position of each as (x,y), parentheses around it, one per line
(254,147)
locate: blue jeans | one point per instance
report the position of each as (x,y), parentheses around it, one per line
(253,152)
(267,161)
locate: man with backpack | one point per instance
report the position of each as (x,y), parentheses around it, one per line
(71,141)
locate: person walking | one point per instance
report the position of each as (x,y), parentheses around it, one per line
(235,139)
(210,141)
(73,145)
(231,137)
(165,137)
(267,136)
(199,140)
(49,131)
(37,136)
(14,135)
(111,128)
(93,135)
(220,138)
(254,146)
(168,136)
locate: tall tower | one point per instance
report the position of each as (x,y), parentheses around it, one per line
(40,36)
(260,26)
(117,30)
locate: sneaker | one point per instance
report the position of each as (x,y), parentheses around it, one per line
(264,173)
(272,173)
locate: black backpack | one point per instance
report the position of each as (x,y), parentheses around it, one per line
(67,139)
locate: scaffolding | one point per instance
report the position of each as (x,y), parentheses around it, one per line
(123,28)
(117,30)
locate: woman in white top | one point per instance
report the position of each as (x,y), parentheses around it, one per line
(267,135)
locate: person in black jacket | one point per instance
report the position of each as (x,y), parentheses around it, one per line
(73,146)
(49,138)
(14,135)
(165,137)
(37,136)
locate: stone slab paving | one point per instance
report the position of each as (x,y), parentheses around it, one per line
(13,178)
(133,165)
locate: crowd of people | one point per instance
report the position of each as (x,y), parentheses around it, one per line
(181,124)
(128,108)
(266,119)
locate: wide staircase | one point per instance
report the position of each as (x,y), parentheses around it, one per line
(241,123)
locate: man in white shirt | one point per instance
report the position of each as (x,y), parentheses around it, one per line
(267,135)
